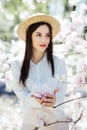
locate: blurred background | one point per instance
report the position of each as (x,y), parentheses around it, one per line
(71,44)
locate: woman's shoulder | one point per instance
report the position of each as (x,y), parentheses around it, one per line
(15,69)
(16,63)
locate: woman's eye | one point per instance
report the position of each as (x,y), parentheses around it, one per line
(48,35)
(38,35)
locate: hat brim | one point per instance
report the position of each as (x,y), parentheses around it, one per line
(21,30)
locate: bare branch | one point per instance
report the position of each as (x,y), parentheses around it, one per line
(46,125)
(84,83)
(36,128)
(69,101)
(66,121)
(79,118)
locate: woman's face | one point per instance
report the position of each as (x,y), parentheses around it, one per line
(41,38)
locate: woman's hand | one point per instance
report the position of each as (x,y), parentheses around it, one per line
(38,99)
(48,100)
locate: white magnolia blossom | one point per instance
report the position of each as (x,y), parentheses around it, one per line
(74,2)
(81,66)
(79,78)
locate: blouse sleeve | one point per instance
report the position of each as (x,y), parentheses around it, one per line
(23,94)
(61,75)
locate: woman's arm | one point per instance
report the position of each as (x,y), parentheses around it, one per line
(23,94)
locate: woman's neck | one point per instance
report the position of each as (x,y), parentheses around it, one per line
(37,57)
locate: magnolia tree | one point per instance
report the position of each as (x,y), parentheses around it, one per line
(73,47)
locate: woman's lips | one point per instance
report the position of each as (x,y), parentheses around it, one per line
(42,45)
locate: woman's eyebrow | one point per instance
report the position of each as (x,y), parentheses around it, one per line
(37,32)
(46,33)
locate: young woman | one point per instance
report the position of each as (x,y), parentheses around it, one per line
(34,78)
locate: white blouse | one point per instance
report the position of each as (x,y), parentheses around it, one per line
(39,79)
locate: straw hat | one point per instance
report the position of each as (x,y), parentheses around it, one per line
(39,17)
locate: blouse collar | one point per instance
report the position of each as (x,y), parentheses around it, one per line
(40,62)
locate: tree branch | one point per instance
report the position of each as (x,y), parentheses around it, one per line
(69,101)
(67,121)
(79,118)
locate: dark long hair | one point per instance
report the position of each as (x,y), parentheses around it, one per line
(29,51)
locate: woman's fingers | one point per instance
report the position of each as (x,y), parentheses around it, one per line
(49,100)
(48,95)
(39,100)
(47,104)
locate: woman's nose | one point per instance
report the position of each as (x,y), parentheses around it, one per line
(44,39)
